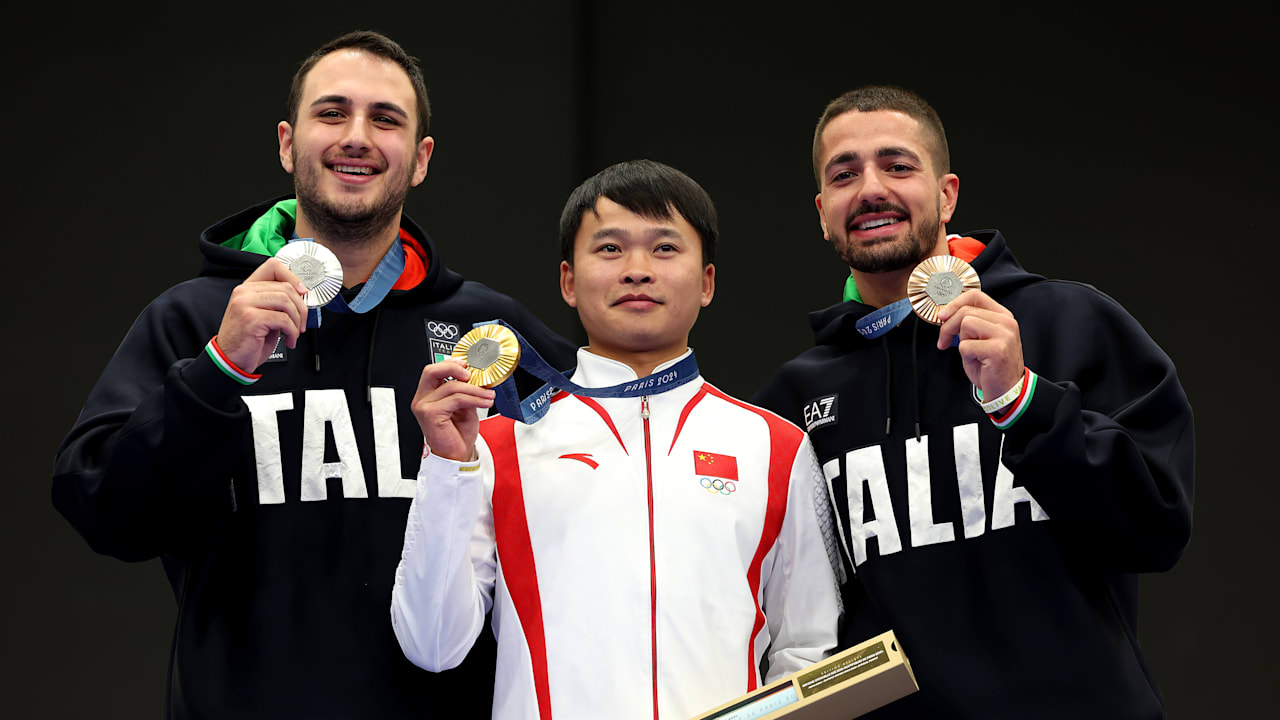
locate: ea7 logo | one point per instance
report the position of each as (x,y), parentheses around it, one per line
(821,412)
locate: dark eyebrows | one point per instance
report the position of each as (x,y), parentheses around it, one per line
(391,108)
(841,159)
(346,101)
(897,152)
(609,232)
(619,233)
(885,152)
(332,100)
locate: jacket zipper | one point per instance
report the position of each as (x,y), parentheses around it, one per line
(653,569)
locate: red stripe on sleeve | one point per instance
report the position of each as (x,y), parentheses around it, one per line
(784,440)
(515,550)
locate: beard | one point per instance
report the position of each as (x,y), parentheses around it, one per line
(351,220)
(903,250)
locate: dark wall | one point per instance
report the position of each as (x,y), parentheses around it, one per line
(1127,151)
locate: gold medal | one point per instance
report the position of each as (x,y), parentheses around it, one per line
(317,267)
(491,351)
(937,281)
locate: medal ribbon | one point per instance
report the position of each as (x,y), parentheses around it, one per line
(531,409)
(874,324)
(375,288)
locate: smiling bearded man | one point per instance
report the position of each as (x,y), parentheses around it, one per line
(906,250)
(270,473)
(997,498)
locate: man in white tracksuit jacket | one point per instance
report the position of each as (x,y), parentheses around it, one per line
(641,555)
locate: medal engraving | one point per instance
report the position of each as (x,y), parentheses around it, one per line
(943,287)
(309,270)
(483,353)
(317,267)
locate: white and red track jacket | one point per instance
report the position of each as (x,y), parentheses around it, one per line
(645,552)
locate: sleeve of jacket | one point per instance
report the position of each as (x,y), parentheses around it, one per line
(149,460)
(801,599)
(1106,444)
(444,583)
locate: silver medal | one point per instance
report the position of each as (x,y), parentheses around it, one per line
(317,267)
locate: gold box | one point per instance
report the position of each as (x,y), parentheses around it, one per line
(843,686)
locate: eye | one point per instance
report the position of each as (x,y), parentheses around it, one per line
(608,248)
(842,176)
(666,248)
(900,168)
(386,120)
(331,114)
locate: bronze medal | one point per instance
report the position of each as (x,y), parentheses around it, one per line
(937,281)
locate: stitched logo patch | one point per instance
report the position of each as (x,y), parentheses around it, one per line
(443,337)
(822,412)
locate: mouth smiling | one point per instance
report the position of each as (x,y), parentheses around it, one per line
(876,224)
(352,169)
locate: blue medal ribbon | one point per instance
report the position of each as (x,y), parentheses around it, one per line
(874,324)
(375,288)
(531,409)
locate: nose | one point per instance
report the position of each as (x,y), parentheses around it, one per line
(873,189)
(639,271)
(356,138)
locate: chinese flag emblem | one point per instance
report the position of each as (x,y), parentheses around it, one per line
(713,465)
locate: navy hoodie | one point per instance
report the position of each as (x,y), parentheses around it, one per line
(1006,561)
(278,509)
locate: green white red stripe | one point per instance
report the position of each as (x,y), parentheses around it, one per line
(225,365)
(1009,414)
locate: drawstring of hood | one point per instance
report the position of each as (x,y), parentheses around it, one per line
(915,380)
(888,385)
(368,368)
(915,373)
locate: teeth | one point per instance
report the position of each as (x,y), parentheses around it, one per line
(877,223)
(353,170)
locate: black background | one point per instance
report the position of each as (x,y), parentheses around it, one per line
(1129,149)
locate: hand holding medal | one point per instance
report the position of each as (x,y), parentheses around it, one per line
(268,304)
(447,411)
(945,291)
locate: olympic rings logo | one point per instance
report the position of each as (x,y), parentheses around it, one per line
(442,329)
(717,486)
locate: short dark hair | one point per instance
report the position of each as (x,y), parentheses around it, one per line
(371,42)
(886,97)
(649,189)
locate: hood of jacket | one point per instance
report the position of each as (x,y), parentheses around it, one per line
(236,245)
(996,267)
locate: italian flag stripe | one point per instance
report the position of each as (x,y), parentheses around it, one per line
(225,365)
(1005,419)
